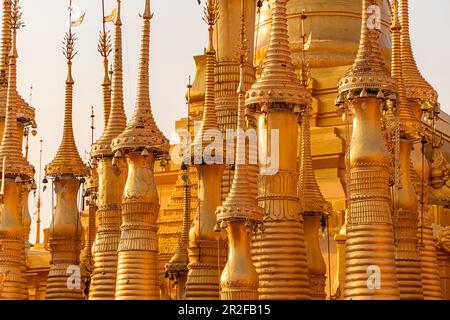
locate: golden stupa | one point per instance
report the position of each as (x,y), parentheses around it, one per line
(347,197)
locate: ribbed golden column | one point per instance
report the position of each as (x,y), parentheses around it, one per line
(63,281)
(370,252)
(112,175)
(405,199)
(16,170)
(177,266)
(141,143)
(240,214)
(279,251)
(312,206)
(206,254)
(65,238)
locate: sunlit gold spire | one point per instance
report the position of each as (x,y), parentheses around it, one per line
(417,88)
(407,120)
(278,81)
(67,160)
(10,148)
(209,120)
(177,266)
(104,48)
(142,131)
(6,40)
(240,204)
(117,119)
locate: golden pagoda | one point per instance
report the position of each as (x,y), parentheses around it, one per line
(239,213)
(67,170)
(278,96)
(364,88)
(141,143)
(341,203)
(112,173)
(16,176)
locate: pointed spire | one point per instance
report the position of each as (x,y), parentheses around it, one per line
(278,81)
(142,131)
(417,87)
(6,40)
(368,76)
(67,160)
(209,120)
(311,198)
(179,261)
(10,148)
(117,119)
(241,202)
(407,120)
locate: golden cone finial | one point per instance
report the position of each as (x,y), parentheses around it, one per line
(311,198)
(10,148)
(278,81)
(368,75)
(24,113)
(67,160)
(142,131)
(179,261)
(117,120)
(417,88)
(209,120)
(407,121)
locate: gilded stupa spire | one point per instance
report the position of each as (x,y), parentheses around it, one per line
(368,76)
(177,266)
(240,204)
(142,131)
(117,120)
(104,48)
(407,120)
(67,160)
(209,120)
(312,200)
(278,81)
(10,148)
(6,40)
(417,88)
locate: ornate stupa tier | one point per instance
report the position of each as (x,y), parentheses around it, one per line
(278,81)
(417,88)
(67,160)
(117,120)
(10,149)
(368,75)
(142,131)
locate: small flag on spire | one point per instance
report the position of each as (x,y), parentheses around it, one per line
(78,22)
(112,16)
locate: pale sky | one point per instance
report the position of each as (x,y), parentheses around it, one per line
(178,33)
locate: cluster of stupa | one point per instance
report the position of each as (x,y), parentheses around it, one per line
(356,207)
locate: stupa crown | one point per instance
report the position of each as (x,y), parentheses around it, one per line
(142,132)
